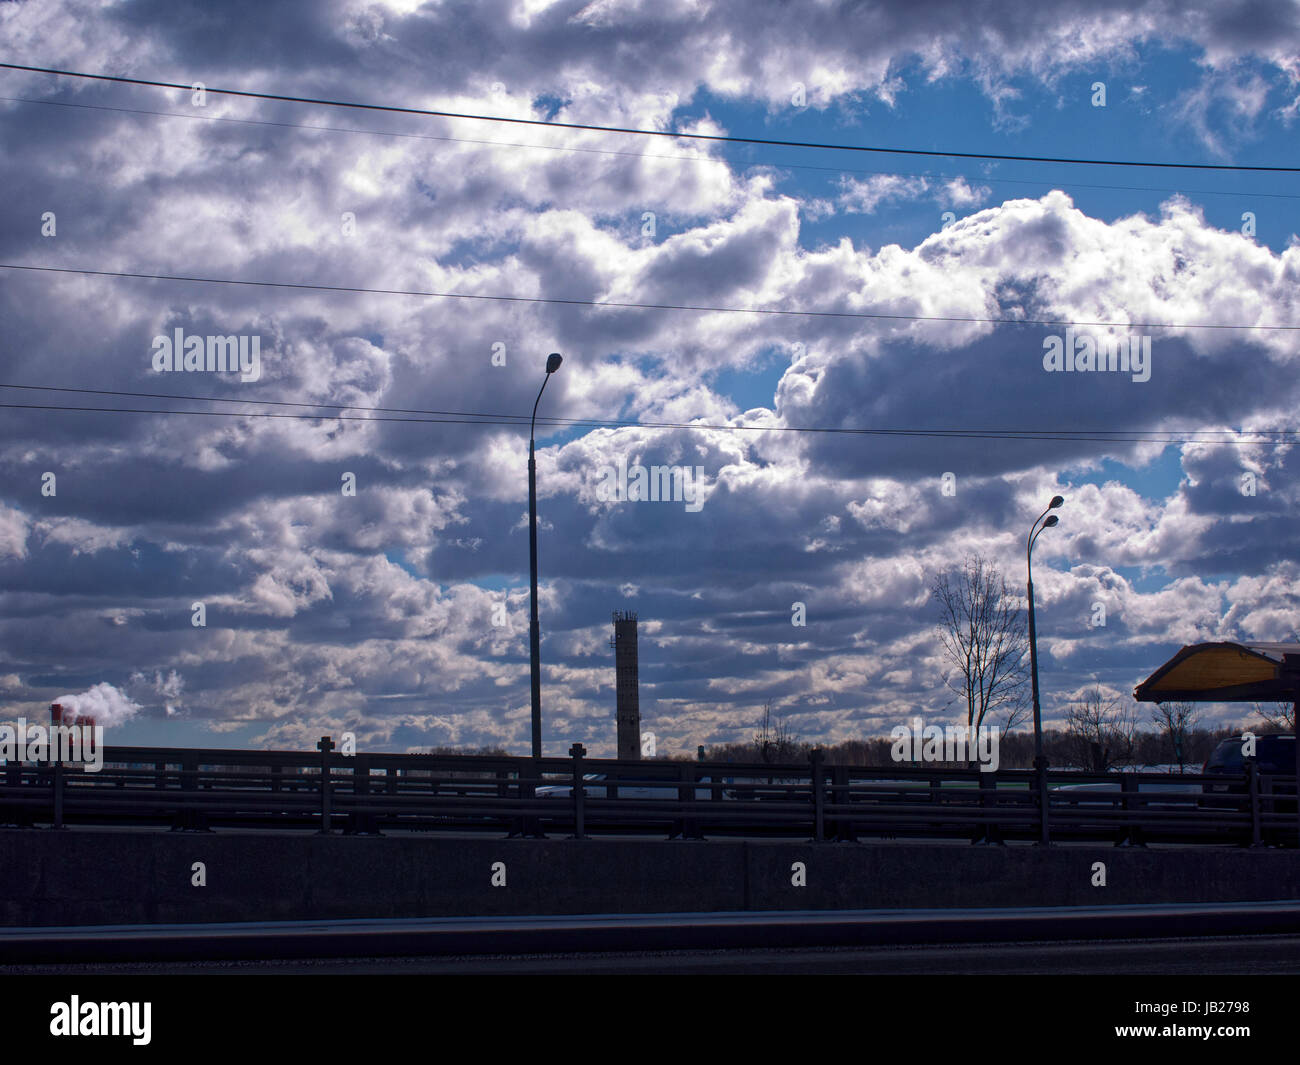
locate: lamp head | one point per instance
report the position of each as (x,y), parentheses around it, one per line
(553,361)
(1056,502)
(1051,521)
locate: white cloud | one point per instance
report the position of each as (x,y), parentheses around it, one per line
(863,197)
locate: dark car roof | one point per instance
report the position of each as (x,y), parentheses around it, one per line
(1271,737)
(1269,751)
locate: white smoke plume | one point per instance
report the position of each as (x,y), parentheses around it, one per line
(103,702)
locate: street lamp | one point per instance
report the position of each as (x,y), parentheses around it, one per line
(534,628)
(1040,763)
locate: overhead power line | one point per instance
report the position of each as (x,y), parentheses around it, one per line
(714,160)
(619,305)
(386,414)
(713,137)
(1056,436)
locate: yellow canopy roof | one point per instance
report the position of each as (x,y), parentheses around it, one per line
(1226,672)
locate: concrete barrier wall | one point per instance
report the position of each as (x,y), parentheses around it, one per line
(75,876)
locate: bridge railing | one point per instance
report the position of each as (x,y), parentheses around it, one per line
(327,790)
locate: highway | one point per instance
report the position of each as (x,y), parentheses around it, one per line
(1238,937)
(1221,956)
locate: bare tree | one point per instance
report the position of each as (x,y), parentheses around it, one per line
(1176,722)
(773,740)
(984,633)
(1100,732)
(1279,715)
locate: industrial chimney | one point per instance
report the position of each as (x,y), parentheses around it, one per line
(626,689)
(58,717)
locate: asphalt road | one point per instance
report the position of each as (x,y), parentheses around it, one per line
(1218,956)
(1260,937)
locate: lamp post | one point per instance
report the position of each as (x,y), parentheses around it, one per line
(534,628)
(1040,762)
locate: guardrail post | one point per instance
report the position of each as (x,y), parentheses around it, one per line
(817,757)
(18,814)
(529,825)
(1267,802)
(933,786)
(1252,787)
(56,769)
(845,831)
(1131,836)
(715,786)
(187,813)
(362,823)
(688,826)
(277,786)
(325,746)
(1044,831)
(990,830)
(576,752)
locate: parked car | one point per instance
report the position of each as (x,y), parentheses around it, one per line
(1168,790)
(1274,756)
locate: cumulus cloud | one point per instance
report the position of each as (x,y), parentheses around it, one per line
(14,527)
(400,611)
(863,197)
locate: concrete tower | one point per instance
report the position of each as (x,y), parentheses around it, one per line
(627,693)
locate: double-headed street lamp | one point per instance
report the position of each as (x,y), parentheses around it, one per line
(1040,763)
(534,628)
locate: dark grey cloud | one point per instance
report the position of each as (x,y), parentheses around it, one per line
(379,611)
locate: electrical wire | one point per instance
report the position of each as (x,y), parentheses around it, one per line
(385,414)
(981,178)
(618,305)
(711,137)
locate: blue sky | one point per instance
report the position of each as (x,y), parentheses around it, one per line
(400,612)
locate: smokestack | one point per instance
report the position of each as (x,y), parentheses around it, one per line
(59,716)
(627,691)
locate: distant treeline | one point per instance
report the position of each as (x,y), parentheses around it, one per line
(1015,749)
(1063,748)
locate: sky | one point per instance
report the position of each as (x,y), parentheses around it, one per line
(252,573)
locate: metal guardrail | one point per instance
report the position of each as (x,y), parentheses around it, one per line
(200,789)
